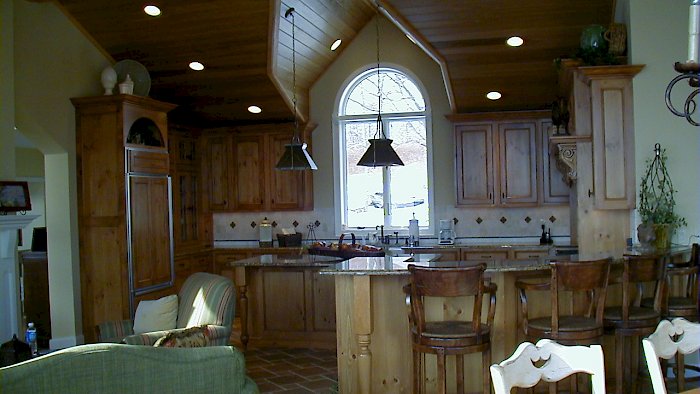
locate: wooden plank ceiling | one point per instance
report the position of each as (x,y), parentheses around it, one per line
(246,47)
(246,61)
(468,38)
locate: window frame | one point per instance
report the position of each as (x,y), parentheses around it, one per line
(339,172)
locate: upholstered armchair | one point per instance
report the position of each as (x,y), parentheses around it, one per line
(204,300)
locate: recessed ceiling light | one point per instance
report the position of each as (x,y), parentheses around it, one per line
(515,41)
(151,10)
(197,66)
(493,95)
(254,109)
(336,44)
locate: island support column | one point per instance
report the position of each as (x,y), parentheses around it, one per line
(362,318)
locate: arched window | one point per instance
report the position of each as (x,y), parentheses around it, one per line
(388,196)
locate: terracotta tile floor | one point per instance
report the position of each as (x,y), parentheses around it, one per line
(277,370)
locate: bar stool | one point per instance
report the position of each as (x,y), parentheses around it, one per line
(631,319)
(583,323)
(685,304)
(579,327)
(452,335)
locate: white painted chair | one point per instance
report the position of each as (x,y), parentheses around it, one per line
(661,344)
(519,370)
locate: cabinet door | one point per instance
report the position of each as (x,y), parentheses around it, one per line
(249,156)
(474,164)
(555,190)
(283,300)
(150,233)
(613,143)
(323,302)
(518,163)
(185,213)
(217,162)
(485,254)
(286,187)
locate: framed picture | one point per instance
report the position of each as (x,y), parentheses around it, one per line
(14,196)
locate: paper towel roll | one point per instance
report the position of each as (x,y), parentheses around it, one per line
(413,229)
(694,33)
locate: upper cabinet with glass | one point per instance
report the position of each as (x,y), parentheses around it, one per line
(145,122)
(144,131)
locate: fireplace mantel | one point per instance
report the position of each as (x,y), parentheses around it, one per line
(9,275)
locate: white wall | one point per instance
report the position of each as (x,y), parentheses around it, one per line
(54,61)
(658,32)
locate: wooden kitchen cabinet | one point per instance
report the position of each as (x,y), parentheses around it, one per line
(190,230)
(216,165)
(554,187)
(124,205)
(502,159)
(186,265)
(496,163)
(484,254)
(446,253)
(241,175)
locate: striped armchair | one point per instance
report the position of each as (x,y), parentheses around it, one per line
(204,299)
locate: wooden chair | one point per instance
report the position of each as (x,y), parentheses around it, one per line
(584,326)
(684,303)
(451,335)
(560,361)
(671,337)
(631,319)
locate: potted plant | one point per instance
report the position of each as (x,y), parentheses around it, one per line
(656,202)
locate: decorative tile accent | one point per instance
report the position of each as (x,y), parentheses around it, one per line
(528,219)
(295,223)
(479,220)
(552,219)
(253,224)
(232,224)
(274,224)
(503,219)
(455,221)
(317,223)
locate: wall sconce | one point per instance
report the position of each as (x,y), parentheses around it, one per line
(689,70)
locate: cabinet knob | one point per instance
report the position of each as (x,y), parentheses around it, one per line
(590,193)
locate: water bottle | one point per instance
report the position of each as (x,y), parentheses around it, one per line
(30,337)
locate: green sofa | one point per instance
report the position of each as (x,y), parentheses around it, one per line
(119,368)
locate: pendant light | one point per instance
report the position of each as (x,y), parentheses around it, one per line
(295,156)
(380,153)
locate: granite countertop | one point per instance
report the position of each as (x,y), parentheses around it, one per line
(398,265)
(286,260)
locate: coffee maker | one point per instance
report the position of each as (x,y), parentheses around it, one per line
(446,234)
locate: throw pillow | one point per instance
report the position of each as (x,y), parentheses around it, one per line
(190,337)
(157,315)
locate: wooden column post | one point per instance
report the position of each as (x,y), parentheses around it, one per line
(362,320)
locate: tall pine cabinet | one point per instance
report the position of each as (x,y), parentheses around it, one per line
(124,204)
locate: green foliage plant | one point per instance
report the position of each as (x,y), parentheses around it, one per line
(656,202)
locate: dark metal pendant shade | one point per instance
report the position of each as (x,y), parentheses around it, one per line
(296,157)
(380,154)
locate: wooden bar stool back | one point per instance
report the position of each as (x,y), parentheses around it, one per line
(453,334)
(631,319)
(687,303)
(581,325)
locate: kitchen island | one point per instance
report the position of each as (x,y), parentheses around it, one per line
(374,342)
